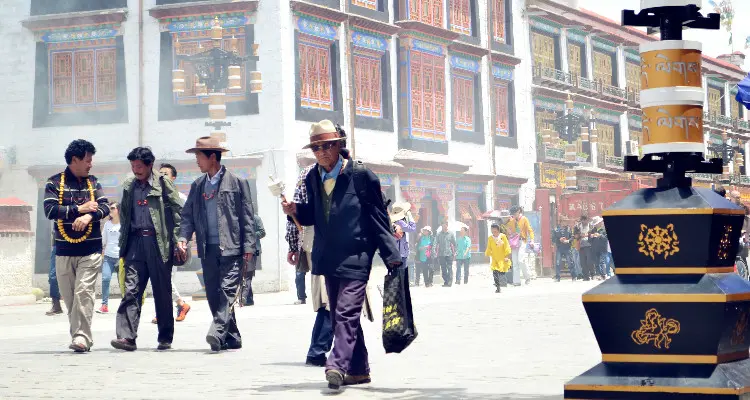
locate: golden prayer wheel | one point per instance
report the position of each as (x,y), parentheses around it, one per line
(585,134)
(255,49)
(235,78)
(217,112)
(672,120)
(671,63)
(256,82)
(217,32)
(178,81)
(571,181)
(570,152)
(217,99)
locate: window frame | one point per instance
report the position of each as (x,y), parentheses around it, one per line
(380,13)
(310,114)
(436,65)
(75,105)
(476,133)
(510,141)
(507,18)
(385,121)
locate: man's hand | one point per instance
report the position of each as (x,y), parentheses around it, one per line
(182,247)
(248,256)
(88,207)
(81,222)
(292,257)
(395,264)
(181,251)
(289,208)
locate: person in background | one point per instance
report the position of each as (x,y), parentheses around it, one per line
(401,218)
(575,252)
(561,237)
(253,265)
(499,251)
(169,171)
(598,239)
(424,256)
(720,191)
(520,229)
(54,288)
(463,255)
(588,261)
(445,247)
(111,243)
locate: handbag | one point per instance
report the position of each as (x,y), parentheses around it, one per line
(398,317)
(169,220)
(514,241)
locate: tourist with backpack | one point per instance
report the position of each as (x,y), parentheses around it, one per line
(348,231)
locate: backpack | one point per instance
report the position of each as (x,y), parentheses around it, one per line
(359,175)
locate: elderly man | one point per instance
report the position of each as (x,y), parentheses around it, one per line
(402,219)
(347,208)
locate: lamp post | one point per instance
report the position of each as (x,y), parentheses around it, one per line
(216,70)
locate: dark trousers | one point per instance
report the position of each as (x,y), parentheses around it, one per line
(446,267)
(299,281)
(588,264)
(499,278)
(222,277)
(465,264)
(322,335)
(247,295)
(143,262)
(349,355)
(424,269)
(54,288)
(567,256)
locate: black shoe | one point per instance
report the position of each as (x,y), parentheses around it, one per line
(249,303)
(458,282)
(497,290)
(232,346)
(316,361)
(124,344)
(557,279)
(586,279)
(56,308)
(214,342)
(164,346)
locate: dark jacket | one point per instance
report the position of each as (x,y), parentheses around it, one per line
(260,233)
(345,245)
(77,193)
(235,216)
(159,204)
(560,232)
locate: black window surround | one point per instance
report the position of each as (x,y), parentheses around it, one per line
(510,141)
(169,110)
(335,4)
(477,135)
(381,14)
(506,47)
(584,67)
(473,10)
(43,117)
(46,7)
(384,123)
(558,47)
(311,114)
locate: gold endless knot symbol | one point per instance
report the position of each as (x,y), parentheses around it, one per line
(656,329)
(658,241)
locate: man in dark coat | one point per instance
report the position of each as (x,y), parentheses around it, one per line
(347,209)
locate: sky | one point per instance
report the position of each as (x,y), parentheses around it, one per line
(714,42)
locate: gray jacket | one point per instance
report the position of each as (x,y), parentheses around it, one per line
(235,216)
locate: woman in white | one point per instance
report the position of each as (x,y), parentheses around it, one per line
(111,245)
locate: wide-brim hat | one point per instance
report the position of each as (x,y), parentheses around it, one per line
(427,228)
(323,131)
(207,143)
(399,210)
(596,220)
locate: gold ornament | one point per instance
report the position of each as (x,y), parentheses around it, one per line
(655,329)
(658,240)
(60,225)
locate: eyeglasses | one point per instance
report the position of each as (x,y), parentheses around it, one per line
(325,146)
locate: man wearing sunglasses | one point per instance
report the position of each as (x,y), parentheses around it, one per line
(348,230)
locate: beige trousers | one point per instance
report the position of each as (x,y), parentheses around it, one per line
(77,279)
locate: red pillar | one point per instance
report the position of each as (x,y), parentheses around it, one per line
(542,204)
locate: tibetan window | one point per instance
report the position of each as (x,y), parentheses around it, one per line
(606,139)
(633,76)
(502,115)
(714,101)
(734,108)
(498,21)
(543,49)
(428,95)
(368,80)
(199,42)
(460,16)
(428,11)
(603,67)
(368,4)
(315,74)
(463,102)
(574,59)
(82,79)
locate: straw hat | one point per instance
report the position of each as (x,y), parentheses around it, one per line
(207,143)
(399,210)
(323,131)
(596,220)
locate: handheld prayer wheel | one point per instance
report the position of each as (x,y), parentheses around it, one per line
(256,82)
(234,77)
(178,81)
(217,109)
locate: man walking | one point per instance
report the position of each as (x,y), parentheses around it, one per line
(520,234)
(301,248)
(149,225)
(348,230)
(75,200)
(253,265)
(446,252)
(562,237)
(219,210)
(54,288)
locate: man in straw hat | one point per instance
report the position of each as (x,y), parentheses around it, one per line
(348,230)
(404,223)
(224,227)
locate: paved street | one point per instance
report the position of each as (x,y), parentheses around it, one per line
(473,344)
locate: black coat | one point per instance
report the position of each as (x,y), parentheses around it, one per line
(345,245)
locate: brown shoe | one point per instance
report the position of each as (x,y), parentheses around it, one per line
(124,344)
(182,312)
(356,379)
(56,308)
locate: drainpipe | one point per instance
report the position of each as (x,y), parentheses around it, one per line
(350,77)
(490,87)
(141,84)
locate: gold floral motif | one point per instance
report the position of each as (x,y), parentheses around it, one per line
(740,328)
(658,240)
(725,243)
(656,329)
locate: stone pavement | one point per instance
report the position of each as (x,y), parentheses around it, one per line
(473,344)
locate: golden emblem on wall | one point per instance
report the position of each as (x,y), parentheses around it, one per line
(740,327)
(658,241)
(656,330)
(725,243)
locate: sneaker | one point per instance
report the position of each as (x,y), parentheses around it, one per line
(356,379)
(214,342)
(164,346)
(104,309)
(298,302)
(124,344)
(335,379)
(182,312)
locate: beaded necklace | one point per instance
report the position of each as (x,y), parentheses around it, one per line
(60,225)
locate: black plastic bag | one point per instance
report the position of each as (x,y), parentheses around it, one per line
(398,319)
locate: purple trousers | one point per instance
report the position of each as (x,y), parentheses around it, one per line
(349,354)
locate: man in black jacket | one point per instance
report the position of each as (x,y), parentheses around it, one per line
(351,222)
(219,210)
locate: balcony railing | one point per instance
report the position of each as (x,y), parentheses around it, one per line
(614,91)
(551,153)
(724,121)
(744,125)
(634,95)
(613,162)
(548,74)
(586,84)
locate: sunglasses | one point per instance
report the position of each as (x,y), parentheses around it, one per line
(325,146)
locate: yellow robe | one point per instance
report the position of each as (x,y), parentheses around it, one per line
(498,253)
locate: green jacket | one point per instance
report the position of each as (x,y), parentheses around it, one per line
(166,236)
